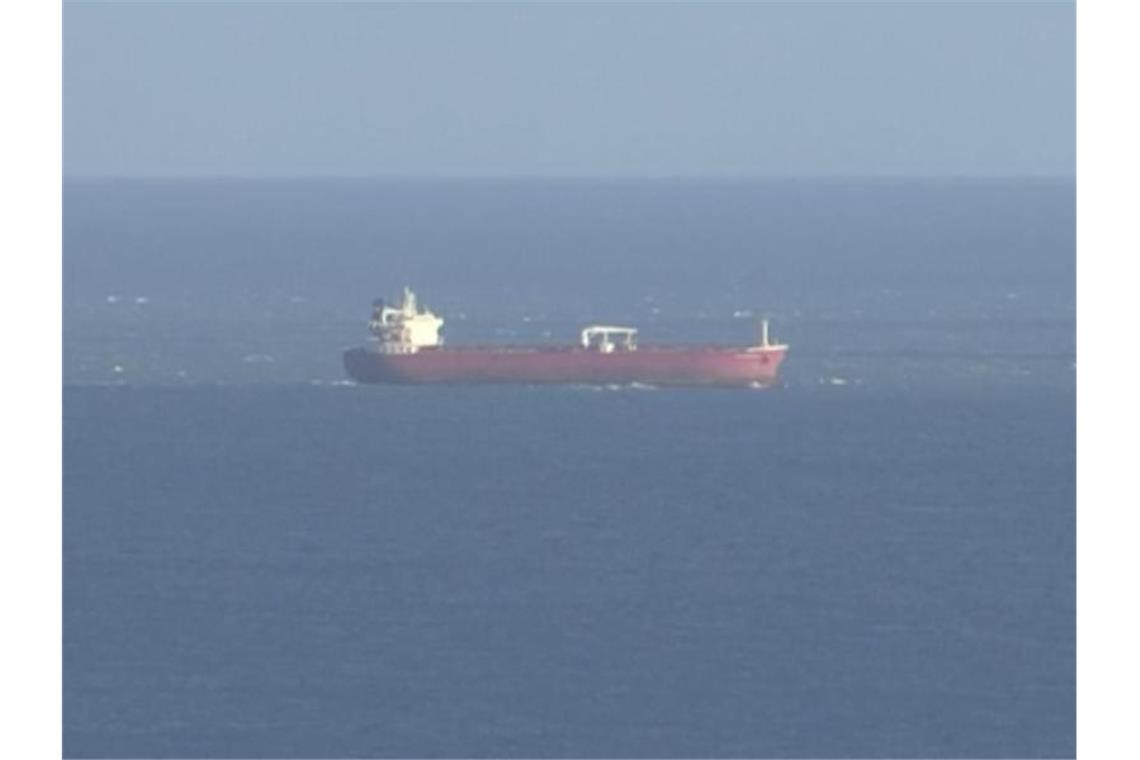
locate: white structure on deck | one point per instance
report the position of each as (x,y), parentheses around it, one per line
(607,339)
(765,343)
(406,328)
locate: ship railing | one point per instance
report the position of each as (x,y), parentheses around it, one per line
(608,338)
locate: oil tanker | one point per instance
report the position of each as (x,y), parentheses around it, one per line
(406,348)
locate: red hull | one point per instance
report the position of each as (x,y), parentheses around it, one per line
(650,365)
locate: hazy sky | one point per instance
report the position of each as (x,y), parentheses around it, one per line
(569,89)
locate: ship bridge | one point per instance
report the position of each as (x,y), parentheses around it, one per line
(609,338)
(406,327)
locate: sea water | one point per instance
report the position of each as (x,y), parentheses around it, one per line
(875,558)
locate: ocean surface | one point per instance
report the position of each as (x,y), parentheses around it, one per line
(875,558)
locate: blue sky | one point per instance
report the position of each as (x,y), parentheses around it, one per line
(577,89)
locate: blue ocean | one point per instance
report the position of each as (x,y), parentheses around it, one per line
(875,558)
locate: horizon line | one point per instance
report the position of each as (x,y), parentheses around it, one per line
(712,176)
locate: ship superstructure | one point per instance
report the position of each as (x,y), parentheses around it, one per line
(406,328)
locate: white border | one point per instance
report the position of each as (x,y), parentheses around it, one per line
(30,248)
(1108,205)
